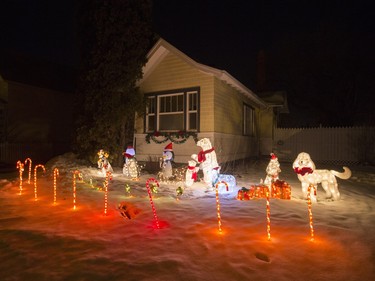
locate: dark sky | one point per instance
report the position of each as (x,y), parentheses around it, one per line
(229,34)
(39,27)
(307,44)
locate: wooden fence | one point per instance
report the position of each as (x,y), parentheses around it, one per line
(339,145)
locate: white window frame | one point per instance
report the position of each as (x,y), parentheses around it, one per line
(188,96)
(162,100)
(189,111)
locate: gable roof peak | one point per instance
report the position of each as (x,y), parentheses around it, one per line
(162,48)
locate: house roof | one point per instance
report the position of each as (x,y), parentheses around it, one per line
(276,99)
(162,48)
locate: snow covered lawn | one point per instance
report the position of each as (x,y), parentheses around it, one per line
(43,241)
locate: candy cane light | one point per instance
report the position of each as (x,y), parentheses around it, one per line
(108,177)
(76,172)
(35,173)
(151,202)
(55,174)
(30,164)
(218,203)
(20,166)
(310,211)
(268,210)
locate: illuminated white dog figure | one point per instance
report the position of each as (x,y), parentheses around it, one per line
(191,173)
(207,159)
(307,174)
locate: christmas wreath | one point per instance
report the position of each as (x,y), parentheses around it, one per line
(175,137)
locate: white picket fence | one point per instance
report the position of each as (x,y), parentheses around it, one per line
(338,145)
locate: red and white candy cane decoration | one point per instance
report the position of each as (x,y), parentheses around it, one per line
(35,187)
(309,209)
(20,166)
(218,203)
(30,164)
(268,214)
(76,172)
(151,202)
(108,177)
(55,174)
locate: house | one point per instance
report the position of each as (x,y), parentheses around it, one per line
(35,108)
(188,100)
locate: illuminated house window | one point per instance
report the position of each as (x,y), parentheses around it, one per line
(248,120)
(173,111)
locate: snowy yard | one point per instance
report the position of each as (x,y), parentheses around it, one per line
(43,241)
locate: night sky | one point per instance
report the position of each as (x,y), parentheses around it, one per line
(311,48)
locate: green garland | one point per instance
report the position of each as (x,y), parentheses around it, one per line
(175,137)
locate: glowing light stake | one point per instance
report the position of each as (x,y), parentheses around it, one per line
(218,203)
(55,174)
(35,186)
(310,212)
(151,202)
(74,187)
(20,166)
(108,177)
(30,164)
(268,214)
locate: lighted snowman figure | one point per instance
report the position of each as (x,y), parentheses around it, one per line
(166,164)
(272,170)
(131,168)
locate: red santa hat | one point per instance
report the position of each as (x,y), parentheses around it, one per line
(273,156)
(168,147)
(130,152)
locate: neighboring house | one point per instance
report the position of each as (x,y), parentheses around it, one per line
(35,108)
(192,100)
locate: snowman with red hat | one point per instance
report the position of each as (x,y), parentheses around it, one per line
(272,170)
(130,169)
(166,163)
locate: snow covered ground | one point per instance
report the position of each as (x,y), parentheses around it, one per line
(43,241)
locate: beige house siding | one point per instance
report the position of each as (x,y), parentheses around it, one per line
(266,130)
(173,73)
(228,147)
(220,112)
